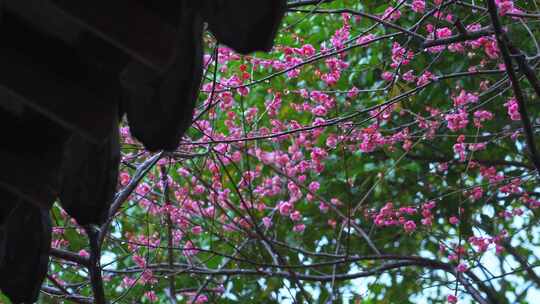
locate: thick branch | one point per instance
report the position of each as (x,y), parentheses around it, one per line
(94,267)
(524,66)
(70,256)
(518,93)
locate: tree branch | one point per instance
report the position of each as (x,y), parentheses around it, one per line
(94,267)
(518,93)
(523,262)
(72,297)
(365,15)
(70,256)
(301,3)
(458,38)
(126,192)
(170,251)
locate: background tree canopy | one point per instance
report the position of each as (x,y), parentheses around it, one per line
(383,152)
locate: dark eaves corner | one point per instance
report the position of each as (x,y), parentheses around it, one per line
(70,71)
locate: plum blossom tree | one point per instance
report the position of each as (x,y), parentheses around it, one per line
(384,151)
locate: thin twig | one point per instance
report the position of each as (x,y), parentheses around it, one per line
(170,251)
(301,3)
(126,192)
(71,297)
